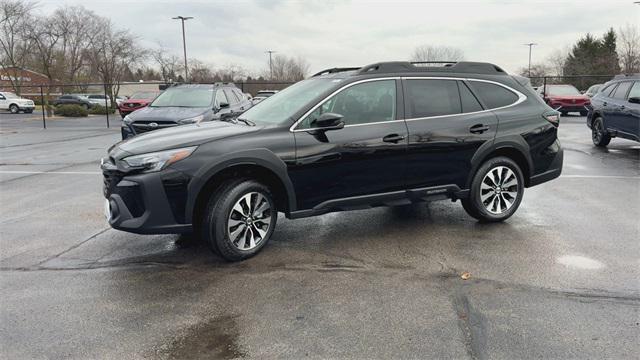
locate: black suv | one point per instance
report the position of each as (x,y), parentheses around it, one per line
(186,104)
(385,134)
(615,111)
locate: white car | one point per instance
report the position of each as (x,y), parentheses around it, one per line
(14,103)
(262,94)
(98,99)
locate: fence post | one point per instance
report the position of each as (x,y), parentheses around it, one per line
(105,104)
(544,86)
(44,121)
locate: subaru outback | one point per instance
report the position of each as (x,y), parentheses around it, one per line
(385,134)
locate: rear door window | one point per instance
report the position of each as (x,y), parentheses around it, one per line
(621,90)
(233,99)
(427,98)
(635,90)
(221,98)
(492,95)
(468,100)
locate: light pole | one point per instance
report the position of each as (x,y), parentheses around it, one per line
(530,45)
(270,67)
(184,43)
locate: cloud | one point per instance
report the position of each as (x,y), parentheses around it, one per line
(352,33)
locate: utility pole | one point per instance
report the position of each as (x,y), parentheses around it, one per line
(184,43)
(270,66)
(530,45)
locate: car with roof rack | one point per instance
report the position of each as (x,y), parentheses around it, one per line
(186,104)
(385,134)
(615,110)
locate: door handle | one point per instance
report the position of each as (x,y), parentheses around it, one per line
(393,138)
(604,103)
(478,128)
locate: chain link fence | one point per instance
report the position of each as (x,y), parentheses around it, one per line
(110,96)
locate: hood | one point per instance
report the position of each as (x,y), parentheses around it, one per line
(180,136)
(166,113)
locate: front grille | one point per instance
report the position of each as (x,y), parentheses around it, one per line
(133,105)
(144,126)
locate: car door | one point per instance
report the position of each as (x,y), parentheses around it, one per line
(630,113)
(614,118)
(220,100)
(4,104)
(447,124)
(367,157)
(234,103)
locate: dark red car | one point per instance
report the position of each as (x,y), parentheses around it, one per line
(137,101)
(565,98)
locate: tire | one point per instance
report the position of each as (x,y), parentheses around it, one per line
(584,113)
(599,134)
(487,201)
(14,108)
(85,106)
(226,219)
(30,111)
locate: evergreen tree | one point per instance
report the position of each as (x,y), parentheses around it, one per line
(592,56)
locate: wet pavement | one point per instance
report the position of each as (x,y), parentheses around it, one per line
(560,279)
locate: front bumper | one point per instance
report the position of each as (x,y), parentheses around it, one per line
(146,203)
(569,108)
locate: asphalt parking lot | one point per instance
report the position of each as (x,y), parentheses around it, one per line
(560,279)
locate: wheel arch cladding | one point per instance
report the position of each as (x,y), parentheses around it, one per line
(267,169)
(512,149)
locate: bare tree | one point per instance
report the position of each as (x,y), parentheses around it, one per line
(15,15)
(288,69)
(170,65)
(199,72)
(629,48)
(437,53)
(556,62)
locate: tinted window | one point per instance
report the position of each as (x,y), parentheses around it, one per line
(469,101)
(610,89)
(65,97)
(359,104)
(432,98)
(492,95)
(221,98)
(621,91)
(635,90)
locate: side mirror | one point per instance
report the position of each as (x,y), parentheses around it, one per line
(328,121)
(223,105)
(634,100)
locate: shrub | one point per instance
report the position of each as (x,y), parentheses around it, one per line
(71,110)
(100,110)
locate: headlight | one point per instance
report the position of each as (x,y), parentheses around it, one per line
(157,161)
(195,119)
(127,119)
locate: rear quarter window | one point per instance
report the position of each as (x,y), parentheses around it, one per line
(492,95)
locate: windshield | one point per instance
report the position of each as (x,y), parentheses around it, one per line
(283,104)
(144,95)
(191,97)
(562,90)
(10,95)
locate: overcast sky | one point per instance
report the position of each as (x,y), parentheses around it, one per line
(354,33)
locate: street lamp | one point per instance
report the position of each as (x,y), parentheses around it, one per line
(530,45)
(184,43)
(270,67)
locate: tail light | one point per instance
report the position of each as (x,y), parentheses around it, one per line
(553,117)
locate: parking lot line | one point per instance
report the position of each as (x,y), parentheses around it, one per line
(52,172)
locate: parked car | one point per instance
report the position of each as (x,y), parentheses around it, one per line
(592,90)
(262,94)
(136,101)
(565,98)
(120,100)
(615,111)
(385,134)
(14,103)
(186,104)
(99,99)
(73,99)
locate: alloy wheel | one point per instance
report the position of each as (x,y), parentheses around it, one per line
(249,221)
(597,132)
(499,190)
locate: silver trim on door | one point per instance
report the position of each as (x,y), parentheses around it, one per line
(521,98)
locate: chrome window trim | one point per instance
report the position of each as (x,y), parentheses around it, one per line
(291,128)
(521,98)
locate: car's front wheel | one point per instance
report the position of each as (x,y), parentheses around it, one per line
(239,219)
(14,108)
(599,134)
(496,190)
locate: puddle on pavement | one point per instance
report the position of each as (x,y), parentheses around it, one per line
(214,339)
(580,262)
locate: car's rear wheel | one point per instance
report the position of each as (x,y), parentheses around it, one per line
(85,106)
(14,108)
(496,190)
(599,134)
(239,219)
(29,111)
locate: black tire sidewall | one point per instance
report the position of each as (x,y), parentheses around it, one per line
(476,208)
(215,224)
(14,109)
(605,138)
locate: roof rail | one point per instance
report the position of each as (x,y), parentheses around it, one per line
(624,76)
(423,66)
(335,70)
